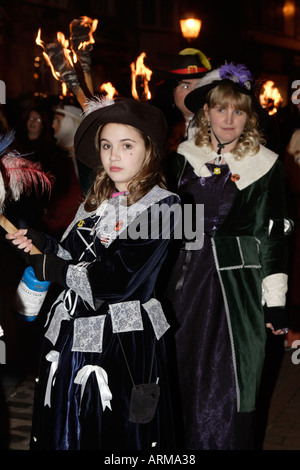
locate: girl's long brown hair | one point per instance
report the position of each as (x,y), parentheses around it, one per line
(222,95)
(150,174)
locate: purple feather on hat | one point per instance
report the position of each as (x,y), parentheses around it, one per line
(236,73)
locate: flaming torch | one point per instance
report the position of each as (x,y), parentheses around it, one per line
(58,57)
(138,69)
(270,98)
(82,40)
(109,89)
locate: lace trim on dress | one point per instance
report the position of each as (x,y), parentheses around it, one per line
(125,317)
(88,334)
(78,280)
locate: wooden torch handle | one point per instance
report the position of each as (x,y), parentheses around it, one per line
(80,96)
(10,228)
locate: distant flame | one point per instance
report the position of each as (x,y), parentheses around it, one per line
(139,69)
(109,89)
(270,98)
(64,89)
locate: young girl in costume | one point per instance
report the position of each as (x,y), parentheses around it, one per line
(227,287)
(104,340)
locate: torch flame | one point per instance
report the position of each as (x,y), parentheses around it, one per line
(61,38)
(109,89)
(139,69)
(38,40)
(67,53)
(65,44)
(87,22)
(41,43)
(270,98)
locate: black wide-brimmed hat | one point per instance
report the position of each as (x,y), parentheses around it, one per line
(188,63)
(143,116)
(236,74)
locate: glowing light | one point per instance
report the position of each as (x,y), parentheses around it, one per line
(190,28)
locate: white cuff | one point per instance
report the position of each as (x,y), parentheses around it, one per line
(274,289)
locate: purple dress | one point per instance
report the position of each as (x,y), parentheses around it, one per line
(202,339)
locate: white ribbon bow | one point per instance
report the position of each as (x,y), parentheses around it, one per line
(82,378)
(52,357)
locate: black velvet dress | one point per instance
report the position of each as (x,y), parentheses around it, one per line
(81,339)
(202,339)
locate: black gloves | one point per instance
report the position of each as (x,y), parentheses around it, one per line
(38,238)
(49,268)
(277,316)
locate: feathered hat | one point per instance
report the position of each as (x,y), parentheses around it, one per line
(236,74)
(188,63)
(98,111)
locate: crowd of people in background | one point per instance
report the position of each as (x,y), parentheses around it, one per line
(220,143)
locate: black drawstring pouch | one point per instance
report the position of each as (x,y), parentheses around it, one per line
(144,401)
(144,397)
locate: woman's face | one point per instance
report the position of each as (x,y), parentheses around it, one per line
(184,88)
(226,122)
(34,123)
(122,152)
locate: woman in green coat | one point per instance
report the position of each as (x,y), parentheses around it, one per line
(230,284)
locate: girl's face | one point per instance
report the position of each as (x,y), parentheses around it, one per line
(122,152)
(226,122)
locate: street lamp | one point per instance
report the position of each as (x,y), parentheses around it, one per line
(190,28)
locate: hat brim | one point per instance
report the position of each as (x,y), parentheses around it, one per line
(169,76)
(143,116)
(84,140)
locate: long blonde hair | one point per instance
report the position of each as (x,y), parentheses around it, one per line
(150,174)
(222,95)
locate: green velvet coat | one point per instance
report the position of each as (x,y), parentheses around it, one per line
(250,252)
